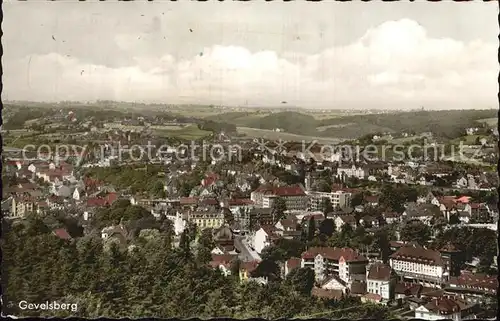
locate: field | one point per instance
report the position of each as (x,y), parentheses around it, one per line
(492,122)
(191,132)
(468,139)
(323,128)
(272,135)
(17,132)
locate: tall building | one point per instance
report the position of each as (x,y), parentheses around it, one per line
(294,196)
(345,263)
(339,199)
(416,263)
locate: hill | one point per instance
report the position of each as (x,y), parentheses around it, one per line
(446,124)
(291,122)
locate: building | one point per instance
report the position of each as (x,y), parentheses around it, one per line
(446,308)
(22,205)
(473,286)
(352,171)
(223,238)
(418,264)
(381,280)
(264,237)
(206,219)
(341,220)
(346,263)
(338,199)
(292,264)
(294,196)
(451,258)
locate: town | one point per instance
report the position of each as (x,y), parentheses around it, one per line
(246,226)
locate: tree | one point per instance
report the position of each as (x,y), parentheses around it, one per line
(301,280)
(273,253)
(311,228)
(416,231)
(268,269)
(454,219)
(326,206)
(324,186)
(278,209)
(327,227)
(357,199)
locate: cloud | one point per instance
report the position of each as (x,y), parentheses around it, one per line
(394,64)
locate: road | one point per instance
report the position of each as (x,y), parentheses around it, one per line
(246,253)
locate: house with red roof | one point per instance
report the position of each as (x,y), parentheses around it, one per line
(472,284)
(292,264)
(102,200)
(223,262)
(347,263)
(444,308)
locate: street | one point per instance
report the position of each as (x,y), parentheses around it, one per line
(246,253)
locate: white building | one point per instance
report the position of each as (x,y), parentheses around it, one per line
(380,280)
(263,238)
(338,199)
(439,309)
(414,262)
(346,263)
(179,224)
(294,196)
(351,172)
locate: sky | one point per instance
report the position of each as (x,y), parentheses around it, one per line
(331,54)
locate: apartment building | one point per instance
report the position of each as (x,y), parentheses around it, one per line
(338,199)
(206,219)
(346,263)
(294,196)
(412,261)
(381,280)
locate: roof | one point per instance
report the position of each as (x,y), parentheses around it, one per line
(97,201)
(358,287)
(391,214)
(373,297)
(416,253)
(349,219)
(283,191)
(477,280)
(209,201)
(188,200)
(240,202)
(443,306)
(380,272)
(432,292)
(463,199)
(333,253)
(449,247)
(408,289)
(293,263)
(223,258)
(371,199)
(249,266)
(421,210)
(289,222)
(62,233)
(396,244)
(326,294)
